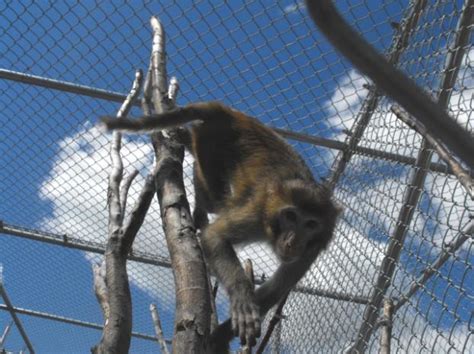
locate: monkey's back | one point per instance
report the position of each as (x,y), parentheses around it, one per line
(235,154)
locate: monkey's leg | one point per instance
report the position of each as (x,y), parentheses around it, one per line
(202,203)
(268,295)
(238,225)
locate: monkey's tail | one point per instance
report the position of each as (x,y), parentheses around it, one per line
(174,118)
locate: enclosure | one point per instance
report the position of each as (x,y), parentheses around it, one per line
(64,64)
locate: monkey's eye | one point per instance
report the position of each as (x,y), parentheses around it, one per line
(312,225)
(291,216)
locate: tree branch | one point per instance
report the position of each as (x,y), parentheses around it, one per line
(277,316)
(124,191)
(458,170)
(158,329)
(192,292)
(112,290)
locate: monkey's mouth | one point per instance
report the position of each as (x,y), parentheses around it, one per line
(285,257)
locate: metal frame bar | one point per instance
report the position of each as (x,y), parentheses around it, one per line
(417,180)
(422,164)
(5,334)
(78,244)
(446,252)
(392,81)
(118,97)
(399,44)
(9,307)
(68,320)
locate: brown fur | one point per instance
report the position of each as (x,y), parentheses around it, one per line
(260,189)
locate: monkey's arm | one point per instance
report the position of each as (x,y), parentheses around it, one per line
(230,228)
(268,295)
(284,279)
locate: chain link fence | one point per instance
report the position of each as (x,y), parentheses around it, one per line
(63,64)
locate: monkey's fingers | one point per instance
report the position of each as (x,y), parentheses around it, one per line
(256,317)
(242,325)
(235,320)
(252,325)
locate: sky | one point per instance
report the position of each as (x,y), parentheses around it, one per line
(266,59)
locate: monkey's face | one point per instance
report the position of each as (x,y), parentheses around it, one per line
(295,230)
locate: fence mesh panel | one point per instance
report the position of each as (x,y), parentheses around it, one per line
(266,59)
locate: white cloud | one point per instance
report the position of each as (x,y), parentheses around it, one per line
(292,8)
(77,189)
(345,102)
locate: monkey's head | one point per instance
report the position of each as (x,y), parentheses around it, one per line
(304,218)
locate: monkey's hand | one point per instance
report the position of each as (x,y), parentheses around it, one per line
(245,315)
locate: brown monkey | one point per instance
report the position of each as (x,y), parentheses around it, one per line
(261,190)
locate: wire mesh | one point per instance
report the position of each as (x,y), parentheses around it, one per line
(264,58)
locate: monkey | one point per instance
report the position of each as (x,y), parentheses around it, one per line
(260,190)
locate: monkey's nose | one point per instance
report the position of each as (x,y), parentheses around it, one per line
(288,245)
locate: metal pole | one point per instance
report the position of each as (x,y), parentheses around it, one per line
(396,84)
(399,44)
(9,307)
(56,318)
(415,187)
(118,97)
(76,243)
(338,145)
(458,170)
(5,334)
(158,329)
(63,86)
(447,251)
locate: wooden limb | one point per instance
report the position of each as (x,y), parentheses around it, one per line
(138,213)
(113,290)
(461,174)
(124,190)
(173,91)
(213,292)
(386,334)
(116,175)
(191,283)
(100,289)
(158,329)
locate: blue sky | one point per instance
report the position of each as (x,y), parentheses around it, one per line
(263,58)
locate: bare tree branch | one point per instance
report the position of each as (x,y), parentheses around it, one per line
(124,190)
(138,213)
(277,316)
(458,170)
(192,292)
(100,289)
(113,291)
(173,90)
(158,329)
